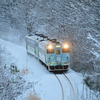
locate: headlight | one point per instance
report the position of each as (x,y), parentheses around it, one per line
(50,46)
(66,46)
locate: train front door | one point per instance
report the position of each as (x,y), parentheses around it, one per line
(58,56)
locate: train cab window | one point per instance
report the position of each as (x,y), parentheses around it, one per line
(64,50)
(49,51)
(57,51)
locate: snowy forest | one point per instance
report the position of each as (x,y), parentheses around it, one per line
(77,21)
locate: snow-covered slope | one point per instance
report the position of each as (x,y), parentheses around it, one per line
(77,21)
(42,82)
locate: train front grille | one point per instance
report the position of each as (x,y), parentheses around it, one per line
(65,67)
(58,67)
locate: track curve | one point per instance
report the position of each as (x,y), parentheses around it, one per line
(62,89)
(61,86)
(71,86)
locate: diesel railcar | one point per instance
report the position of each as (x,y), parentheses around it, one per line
(54,55)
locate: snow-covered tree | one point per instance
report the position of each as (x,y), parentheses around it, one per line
(77,21)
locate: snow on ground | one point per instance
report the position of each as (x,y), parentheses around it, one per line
(43,83)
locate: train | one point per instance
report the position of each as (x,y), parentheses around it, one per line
(53,54)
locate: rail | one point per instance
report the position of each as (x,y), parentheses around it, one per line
(62,85)
(71,86)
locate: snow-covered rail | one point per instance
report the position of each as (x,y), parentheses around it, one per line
(59,78)
(61,86)
(71,86)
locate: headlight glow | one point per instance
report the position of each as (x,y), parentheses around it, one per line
(65,46)
(50,46)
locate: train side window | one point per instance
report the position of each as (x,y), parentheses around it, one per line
(65,50)
(49,51)
(57,51)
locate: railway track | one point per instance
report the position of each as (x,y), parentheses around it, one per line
(62,88)
(74,94)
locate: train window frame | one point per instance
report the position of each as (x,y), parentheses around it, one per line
(58,52)
(65,50)
(41,51)
(50,51)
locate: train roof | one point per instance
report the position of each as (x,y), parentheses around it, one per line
(35,37)
(42,40)
(45,42)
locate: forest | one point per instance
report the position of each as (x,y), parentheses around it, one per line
(77,21)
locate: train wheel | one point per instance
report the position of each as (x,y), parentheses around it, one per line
(47,67)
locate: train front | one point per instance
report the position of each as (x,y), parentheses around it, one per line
(58,56)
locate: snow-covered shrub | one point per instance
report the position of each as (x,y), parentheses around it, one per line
(25,71)
(11,84)
(93,82)
(14,69)
(33,97)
